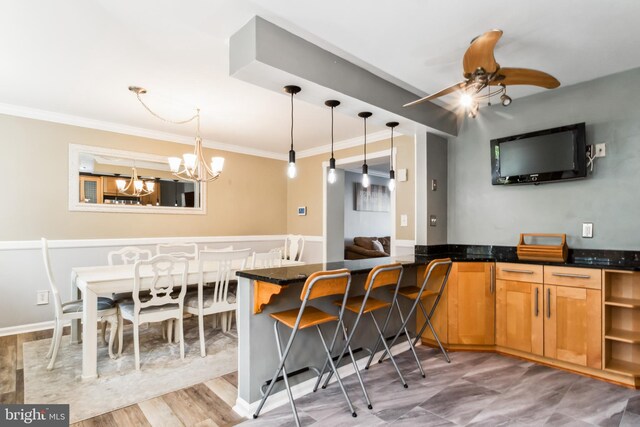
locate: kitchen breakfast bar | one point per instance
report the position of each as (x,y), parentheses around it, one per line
(265,291)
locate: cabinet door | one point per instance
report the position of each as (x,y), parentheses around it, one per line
(90,189)
(519,316)
(572,325)
(439,320)
(471,303)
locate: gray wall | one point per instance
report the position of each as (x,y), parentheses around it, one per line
(480,213)
(363,223)
(436,200)
(335,218)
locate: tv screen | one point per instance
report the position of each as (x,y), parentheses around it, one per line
(543,156)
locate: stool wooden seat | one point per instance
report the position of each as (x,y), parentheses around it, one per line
(311,317)
(412,292)
(370,304)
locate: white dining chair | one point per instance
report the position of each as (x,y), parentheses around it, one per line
(214,297)
(178,250)
(128,255)
(266,260)
(167,273)
(72,310)
(293,247)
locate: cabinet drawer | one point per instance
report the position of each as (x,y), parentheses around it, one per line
(519,272)
(590,278)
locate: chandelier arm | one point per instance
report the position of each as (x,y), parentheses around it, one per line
(176,122)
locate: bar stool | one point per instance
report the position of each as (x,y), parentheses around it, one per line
(317,285)
(380,276)
(435,279)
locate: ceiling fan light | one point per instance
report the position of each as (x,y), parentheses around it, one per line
(466,100)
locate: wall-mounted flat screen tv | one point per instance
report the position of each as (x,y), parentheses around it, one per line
(549,155)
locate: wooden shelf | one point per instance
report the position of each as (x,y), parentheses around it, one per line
(630,337)
(623,302)
(622,367)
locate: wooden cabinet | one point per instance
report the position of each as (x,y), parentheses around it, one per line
(109,185)
(519,314)
(471,303)
(90,189)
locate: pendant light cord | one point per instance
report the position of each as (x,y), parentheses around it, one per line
(292,121)
(365,140)
(391,156)
(332,132)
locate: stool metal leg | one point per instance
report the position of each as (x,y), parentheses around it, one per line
(333,367)
(384,329)
(388,350)
(435,335)
(353,361)
(285,376)
(406,333)
(283,357)
(326,362)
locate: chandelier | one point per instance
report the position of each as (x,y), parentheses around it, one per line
(136,187)
(192,166)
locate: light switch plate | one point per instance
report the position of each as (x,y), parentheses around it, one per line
(42,298)
(402,175)
(403,220)
(601,150)
(433,221)
(587,230)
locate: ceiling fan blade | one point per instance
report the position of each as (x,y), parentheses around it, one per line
(525,76)
(480,53)
(443,92)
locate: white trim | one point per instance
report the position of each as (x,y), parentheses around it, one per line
(341,145)
(405,243)
(12,245)
(22,329)
(76,150)
(68,119)
(246,409)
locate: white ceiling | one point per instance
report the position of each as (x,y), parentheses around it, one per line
(77,57)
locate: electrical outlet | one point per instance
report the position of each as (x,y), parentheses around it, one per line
(42,297)
(434,185)
(433,221)
(601,150)
(587,230)
(403,220)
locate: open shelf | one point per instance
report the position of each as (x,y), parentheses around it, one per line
(623,367)
(630,337)
(622,302)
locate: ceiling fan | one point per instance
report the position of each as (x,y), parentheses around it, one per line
(482,71)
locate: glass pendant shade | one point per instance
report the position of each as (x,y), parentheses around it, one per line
(365,176)
(291,170)
(174,164)
(150,185)
(121,183)
(190,161)
(392,180)
(332,177)
(138,185)
(217,163)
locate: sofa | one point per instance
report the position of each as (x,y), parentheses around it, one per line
(363,247)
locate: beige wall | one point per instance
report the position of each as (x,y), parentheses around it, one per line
(306,188)
(249,199)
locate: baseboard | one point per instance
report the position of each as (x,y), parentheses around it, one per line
(246,409)
(23,329)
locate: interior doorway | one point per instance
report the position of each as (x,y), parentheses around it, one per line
(346,215)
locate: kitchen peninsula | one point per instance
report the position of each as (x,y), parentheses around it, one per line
(582,315)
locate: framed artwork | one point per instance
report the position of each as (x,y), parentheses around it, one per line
(376,198)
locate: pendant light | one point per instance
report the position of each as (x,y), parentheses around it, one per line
(365,169)
(291,171)
(331,178)
(392,173)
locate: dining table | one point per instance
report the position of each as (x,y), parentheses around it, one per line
(89,283)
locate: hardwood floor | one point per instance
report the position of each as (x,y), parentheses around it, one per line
(204,404)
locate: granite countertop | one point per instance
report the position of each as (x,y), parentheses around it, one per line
(585,258)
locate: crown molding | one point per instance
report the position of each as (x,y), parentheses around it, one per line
(69,119)
(342,145)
